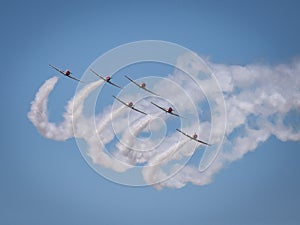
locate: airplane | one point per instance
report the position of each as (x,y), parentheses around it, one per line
(194,137)
(168,110)
(66,73)
(142,85)
(129,105)
(106,79)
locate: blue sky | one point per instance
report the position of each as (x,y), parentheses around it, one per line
(48,182)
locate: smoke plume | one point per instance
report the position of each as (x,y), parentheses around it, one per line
(260,101)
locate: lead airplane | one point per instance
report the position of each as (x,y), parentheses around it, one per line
(194,137)
(67,73)
(142,85)
(168,110)
(106,79)
(129,105)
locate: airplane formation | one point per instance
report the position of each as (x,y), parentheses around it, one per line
(130,105)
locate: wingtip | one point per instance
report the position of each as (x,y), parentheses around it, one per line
(206,144)
(93,71)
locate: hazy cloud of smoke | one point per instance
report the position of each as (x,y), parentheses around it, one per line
(258,100)
(261,100)
(38,114)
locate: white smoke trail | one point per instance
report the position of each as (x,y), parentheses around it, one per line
(127,140)
(97,138)
(152,172)
(38,114)
(107,134)
(130,147)
(261,101)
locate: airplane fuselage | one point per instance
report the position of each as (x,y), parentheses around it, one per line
(67,72)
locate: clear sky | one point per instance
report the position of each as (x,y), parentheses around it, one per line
(48,182)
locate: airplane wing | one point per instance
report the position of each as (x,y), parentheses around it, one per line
(124,103)
(140,86)
(193,138)
(132,81)
(63,73)
(98,75)
(159,107)
(202,142)
(184,133)
(114,84)
(150,91)
(57,69)
(139,111)
(174,114)
(74,78)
